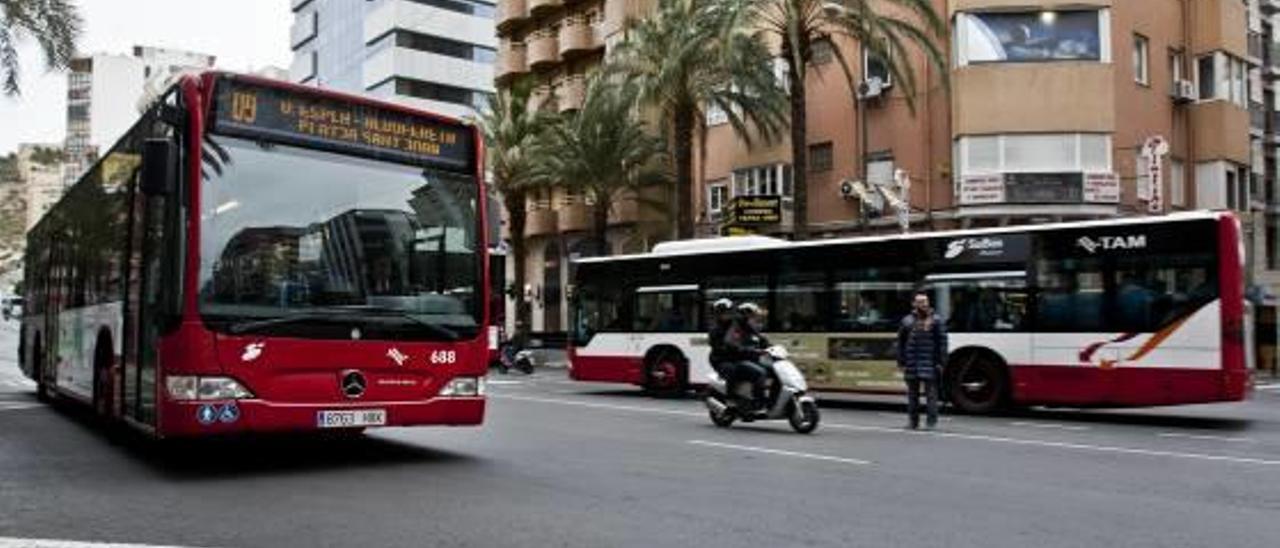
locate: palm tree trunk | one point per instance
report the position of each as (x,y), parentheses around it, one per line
(600,226)
(684,119)
(799,155)
(514,202)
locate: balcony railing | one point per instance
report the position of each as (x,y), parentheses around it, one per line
(544,49)
(572,92)
(537,7)
(511,12)
(511,61)
(1257,48)
(1258,117)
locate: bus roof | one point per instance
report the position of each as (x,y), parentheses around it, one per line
(755,243)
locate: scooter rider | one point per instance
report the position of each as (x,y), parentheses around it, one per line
(746,345)
(721,361)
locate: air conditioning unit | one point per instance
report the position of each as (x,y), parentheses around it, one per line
(1184,91)
(871,88)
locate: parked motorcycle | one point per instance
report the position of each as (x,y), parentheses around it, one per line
(786,397)
(509,358)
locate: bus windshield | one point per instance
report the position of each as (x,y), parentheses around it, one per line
(293,233)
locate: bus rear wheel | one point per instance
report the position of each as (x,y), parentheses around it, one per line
(664,374)
(37,371)
(977,384)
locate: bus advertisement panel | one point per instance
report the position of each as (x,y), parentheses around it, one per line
(1111,313)
(258,256)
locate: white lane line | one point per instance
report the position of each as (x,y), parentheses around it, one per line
(1050,426)
(18,406)
(1206,437)
(1268,387)
(944,435)
(13,542)
(903,415)
(779,452)
(500,382)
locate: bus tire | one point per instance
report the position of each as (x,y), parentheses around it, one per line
(103,356)
(977,382)
(37,370)
(665,373)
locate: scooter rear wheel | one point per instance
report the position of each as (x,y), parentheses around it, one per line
(804,417)
(723,419)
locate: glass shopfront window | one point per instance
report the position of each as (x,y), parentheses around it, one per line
(1032,36)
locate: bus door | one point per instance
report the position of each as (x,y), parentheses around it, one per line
(985,310)
(668,315)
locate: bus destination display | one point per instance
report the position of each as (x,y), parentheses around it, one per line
(262,112)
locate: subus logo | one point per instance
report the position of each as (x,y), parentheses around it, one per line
(985,247)
(252,351)
(1109,243)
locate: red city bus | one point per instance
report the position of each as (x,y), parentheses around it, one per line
(1126,312)
(259,256)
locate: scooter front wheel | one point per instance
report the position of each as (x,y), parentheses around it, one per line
(804,416)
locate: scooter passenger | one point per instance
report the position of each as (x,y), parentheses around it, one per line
(745,345)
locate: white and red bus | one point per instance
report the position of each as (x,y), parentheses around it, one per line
(1130,312)
(258,256)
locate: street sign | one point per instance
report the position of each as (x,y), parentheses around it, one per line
(1101,188)
(1154,149)
(982,189)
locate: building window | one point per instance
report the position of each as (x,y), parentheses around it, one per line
(1036,153)
(874,67)
(715,115)
(770,180)
(717,196)
(820,157)
(436,92)
(1032,36)
(1177,184)
(820,52)
(478,9)
(1141,57)
(1175,69)
(435,44)
(1222,77)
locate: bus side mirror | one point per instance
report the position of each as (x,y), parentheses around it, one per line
(159,167)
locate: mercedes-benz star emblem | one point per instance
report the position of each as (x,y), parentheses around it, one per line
(353,384)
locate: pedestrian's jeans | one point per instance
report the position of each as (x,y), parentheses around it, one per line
(913,400)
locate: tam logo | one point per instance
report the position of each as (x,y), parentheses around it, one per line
(1110,243)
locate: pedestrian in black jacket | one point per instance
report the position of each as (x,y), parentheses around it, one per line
(922,349)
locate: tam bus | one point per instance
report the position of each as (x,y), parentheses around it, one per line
(1131,312)
(258,256)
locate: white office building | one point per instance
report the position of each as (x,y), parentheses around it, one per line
(103,95)
(436,55)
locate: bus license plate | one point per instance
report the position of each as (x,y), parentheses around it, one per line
(351,419)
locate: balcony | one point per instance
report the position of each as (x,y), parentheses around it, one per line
(510,12)
(539,97)
(1257,117)
(575,217)
(1256,47)
(538,7)
(511,62)
(624,212)
(572,92)
(540,222)
(544,50)
(578,35)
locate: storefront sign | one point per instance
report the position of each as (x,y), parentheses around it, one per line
(754,211)
(1101,188)
(1044,188)
(981,189)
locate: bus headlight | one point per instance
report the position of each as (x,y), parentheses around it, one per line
(205,388)
(463,387)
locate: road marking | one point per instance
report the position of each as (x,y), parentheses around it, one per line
(503,383)
(944,435)
(11,542)
(18,406)
(779,452)
(1050,426)
(903,415)
(1268,387)
(1206,437)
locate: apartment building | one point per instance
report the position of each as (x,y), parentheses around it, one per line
(436,55)
(1049,110)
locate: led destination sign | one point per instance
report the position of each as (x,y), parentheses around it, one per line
(262,112)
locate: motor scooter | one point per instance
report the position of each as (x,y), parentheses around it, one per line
(786,397)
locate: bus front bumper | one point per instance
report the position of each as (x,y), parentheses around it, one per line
(201,418)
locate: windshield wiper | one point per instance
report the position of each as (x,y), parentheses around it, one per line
(435,328)
(246,326)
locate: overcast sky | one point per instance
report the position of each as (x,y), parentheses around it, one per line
(243,34)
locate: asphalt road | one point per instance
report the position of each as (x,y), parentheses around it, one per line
(566,464)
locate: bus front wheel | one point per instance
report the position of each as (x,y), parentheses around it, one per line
(664,374)
(103,385)
(977,383)
(37,371)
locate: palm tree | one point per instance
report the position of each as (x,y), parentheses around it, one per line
(604,152)
(889,30)
(512,134)
(55,25)
(693,53)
